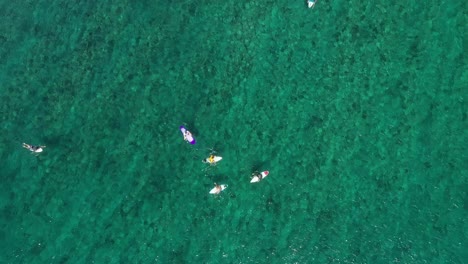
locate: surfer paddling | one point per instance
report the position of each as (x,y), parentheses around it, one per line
(187,135)
(212,159)
(218,188)
(258,176)
(34,149)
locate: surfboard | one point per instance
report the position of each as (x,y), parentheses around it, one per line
(189,137)
(256,179)
(215,190)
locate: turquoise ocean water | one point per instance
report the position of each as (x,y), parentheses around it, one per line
(357,109)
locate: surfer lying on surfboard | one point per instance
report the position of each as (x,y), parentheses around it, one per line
(212,159)
(258,176)
(187,135)
(218,188)
(35,149)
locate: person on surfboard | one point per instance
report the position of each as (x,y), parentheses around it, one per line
(218,188)
(35,149)
(258,175)
(188,136)
(212,159)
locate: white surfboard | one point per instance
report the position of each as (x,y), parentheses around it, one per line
(256,179)
(218,188)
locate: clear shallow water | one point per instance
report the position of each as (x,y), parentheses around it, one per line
(358,111)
